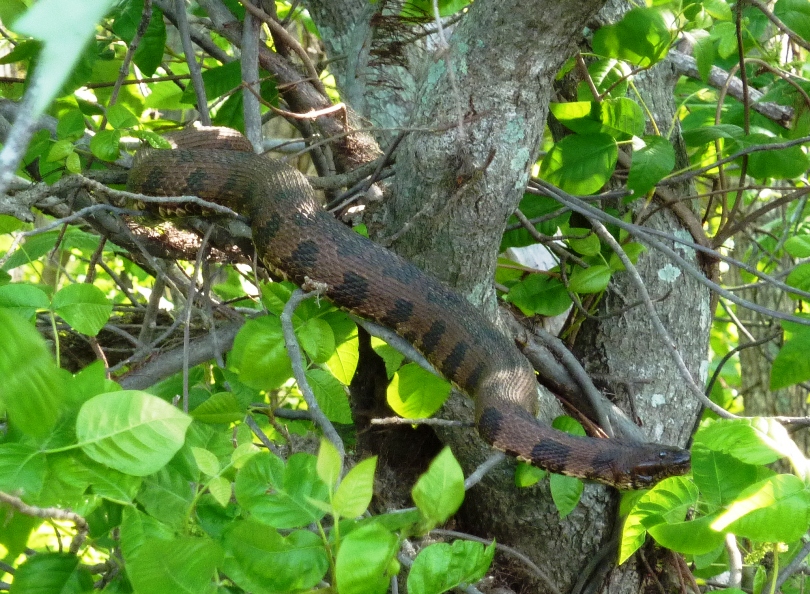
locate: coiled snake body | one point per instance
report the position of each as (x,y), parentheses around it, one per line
(293,234)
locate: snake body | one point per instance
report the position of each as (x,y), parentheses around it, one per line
(293,234)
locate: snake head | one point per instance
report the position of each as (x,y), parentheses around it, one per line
(657,463)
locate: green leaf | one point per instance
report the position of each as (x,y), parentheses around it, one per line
(792,365)
(566,492)
(150,48)
(104,144)
(414,393)
(220,489)
(260,560)
(220,408)
(329,465)
(798,246)
(83,306)
(259,355)
(166,495)
(356,489)
(331,396)
(119,116)
(343,361)
(139,530)
(632,250)
(703,135)
(695,537)
(784,163)
(30,386)
(65,27)
(22,470)
(206,461)
(539,294)
(44,573)
(641,38)
(439,492)
(704,53)
(589,280)
(583,241)
(184,564)
(580,164)
(441,567)
(23,299)
(527,475)
(364,561)
(131,431)
(668,501)
(776,509)
(719,476)
(278,495)
(799,277)
(652,160)
(60,150)
(317,339)
(753,440)
(795,14)
(217,81)
(107,483)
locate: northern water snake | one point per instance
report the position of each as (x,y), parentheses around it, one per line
(292,233)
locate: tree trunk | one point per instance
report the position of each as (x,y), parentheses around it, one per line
(477,112)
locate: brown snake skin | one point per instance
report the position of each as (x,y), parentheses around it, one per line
(294,235)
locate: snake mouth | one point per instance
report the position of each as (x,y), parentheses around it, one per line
(668,462)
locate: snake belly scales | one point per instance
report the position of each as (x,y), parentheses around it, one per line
(292,233)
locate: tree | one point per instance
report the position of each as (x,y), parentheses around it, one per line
(666,182)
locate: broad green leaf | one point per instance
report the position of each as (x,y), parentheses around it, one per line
(776,509)
(105,144)
(705,134)
(331,396)
(317,339)
(206,461)
(533,206)
(184,564)
(119,116)
(354,493)
(784,163)
(329,465)
(719,476)
(580,164)
(641,38)
(217,81)
(220,489)
(23,299)
(414,393)
(792,364)
(70,125)
(166,495)
(131,431)
(527,475)
(441,567)
(799,277)
(753,440)
(150,49)
(140,530)
(259,355)
(566,492)
(667,502)
(260,560)
(695,537)
(83,306)
(622,118)
(795,14)
(589,280)
(60,150)
(65,28)
(343,361)
(22,470)
(365,561)
(439,492)
(652,160)
(632,250)
(583,241)
(219,408)
(30,386)
(34,247)
(798,246)
(539,294)
(44,573)
(107,483)
(281,496)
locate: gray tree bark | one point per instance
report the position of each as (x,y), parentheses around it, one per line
(477,110)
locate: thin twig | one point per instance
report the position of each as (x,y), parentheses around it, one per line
(294,351)
(51,513)
(193,66)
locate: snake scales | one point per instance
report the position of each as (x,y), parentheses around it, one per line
(293,234)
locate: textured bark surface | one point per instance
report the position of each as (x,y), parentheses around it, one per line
(454,189)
